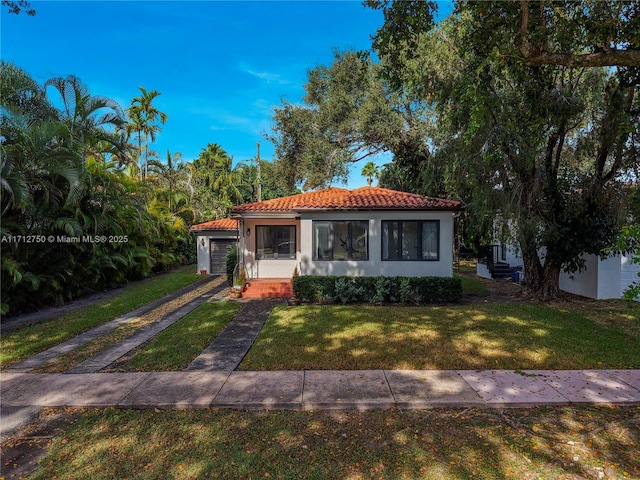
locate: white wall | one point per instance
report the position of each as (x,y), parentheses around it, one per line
(628,273)
(482,270)
(269,267)
(600,280)
(203,251)
(375,266)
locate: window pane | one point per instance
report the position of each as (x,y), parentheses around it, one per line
(390,240)
(430,241)
(322,249)
(359,232)
(340,240)
(275,241)
(286,242)
(264,242)
(410,240)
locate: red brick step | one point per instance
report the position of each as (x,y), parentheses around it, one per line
(269,288)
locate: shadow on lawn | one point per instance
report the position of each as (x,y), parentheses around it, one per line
(489,336)
(443,444)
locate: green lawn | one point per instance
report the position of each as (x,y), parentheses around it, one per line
(472,285)
(561,442)
(176,347)
(476,336)
(32,339)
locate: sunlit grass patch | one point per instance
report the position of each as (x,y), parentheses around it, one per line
(478,336)
(32,339)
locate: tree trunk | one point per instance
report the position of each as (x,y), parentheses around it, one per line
(543,280)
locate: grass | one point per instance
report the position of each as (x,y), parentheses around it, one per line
(471,285)
(560,442)
(476,336)
(177,346)
(32,339)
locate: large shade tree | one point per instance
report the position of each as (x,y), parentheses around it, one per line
(537,129)
(351,112)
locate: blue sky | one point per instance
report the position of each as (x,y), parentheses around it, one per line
(221,67)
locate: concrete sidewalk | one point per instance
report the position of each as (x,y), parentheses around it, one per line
(323,389)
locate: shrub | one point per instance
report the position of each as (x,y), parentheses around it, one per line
(348,290)
(313,289)
(382,290)
(231,259)
(408,290)
(414,290)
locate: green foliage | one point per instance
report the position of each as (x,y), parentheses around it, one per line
(231,260)
(370,171)
(414,290)
(522,127)
(382,290)
(62,178)
(314,289)
(348,290)
(628,242)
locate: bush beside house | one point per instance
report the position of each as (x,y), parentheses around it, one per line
(405,290)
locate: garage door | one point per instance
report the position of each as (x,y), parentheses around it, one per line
(218,249)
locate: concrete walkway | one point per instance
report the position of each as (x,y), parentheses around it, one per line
(42,358)
(110,355)
(323,389)
(231,345)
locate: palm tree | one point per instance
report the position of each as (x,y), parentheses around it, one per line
(171,173)
(143,120)
(370,170)
(91,119)
(217,166)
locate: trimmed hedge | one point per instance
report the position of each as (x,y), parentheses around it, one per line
(405,290)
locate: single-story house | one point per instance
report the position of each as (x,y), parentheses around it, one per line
(212,241)
(368,231)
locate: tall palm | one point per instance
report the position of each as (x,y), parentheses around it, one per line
(171,173)
(144,118)
(370,170)
(221,178)
(92,119)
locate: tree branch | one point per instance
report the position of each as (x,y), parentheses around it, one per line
(624,58)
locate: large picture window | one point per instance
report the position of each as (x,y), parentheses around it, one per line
(348,240)
(411,240)
(275,242)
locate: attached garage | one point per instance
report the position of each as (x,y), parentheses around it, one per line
(213,240)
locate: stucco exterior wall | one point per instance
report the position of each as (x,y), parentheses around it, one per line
(628,273)
(276,268)
(375,265)
(203,251)
(600,280)
(268,268)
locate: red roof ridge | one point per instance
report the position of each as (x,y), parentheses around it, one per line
(363,198)
(218,224)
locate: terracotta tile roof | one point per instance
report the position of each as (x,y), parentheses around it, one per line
(364,198)
(222,224)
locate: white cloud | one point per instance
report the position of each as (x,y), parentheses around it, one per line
(269,77)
